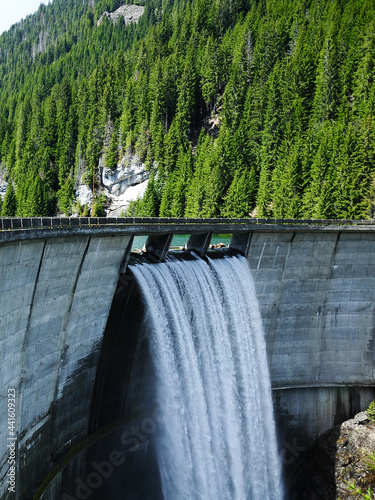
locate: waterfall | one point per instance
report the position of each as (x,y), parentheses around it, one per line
(216,433)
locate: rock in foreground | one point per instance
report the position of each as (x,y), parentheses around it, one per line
(356,439)
(338,457)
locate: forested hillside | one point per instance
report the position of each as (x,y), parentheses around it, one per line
(236,106)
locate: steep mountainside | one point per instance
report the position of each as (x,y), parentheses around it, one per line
(232,106)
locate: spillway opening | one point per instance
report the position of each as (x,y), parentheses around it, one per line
(180,241)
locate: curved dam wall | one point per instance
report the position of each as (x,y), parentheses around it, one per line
(317,296)
(55,298)
(78,362)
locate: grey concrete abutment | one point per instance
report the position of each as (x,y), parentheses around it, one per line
(66,338)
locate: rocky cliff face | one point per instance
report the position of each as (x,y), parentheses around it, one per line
(130,13)
(339,457)
(127,182)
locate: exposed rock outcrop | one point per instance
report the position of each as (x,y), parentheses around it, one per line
(356,440)
(3,181)
(130,171)
(84,195)
(127,182)
(130,13)
(124,184)
(338,457)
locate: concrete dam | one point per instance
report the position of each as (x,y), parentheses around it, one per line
(76,380)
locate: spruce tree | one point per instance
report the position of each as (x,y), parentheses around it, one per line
(66,196)
(264,194)
(151,199)
(240,199)
(38,202)
(287,178)
(326,94)
(10,202)
(183,179)
(111,157)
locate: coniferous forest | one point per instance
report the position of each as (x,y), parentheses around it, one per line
(237,107)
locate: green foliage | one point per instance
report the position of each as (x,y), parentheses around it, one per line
(240,199)
(149,205)
(371,457)
(111,158)
(371,412)
(97,209)
(10,202)
(369,494)
(38,199)
(235,105)
(65,197)
(133,209)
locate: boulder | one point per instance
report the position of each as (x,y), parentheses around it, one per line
(338,457)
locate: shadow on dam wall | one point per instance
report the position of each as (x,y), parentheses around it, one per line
(85,399)
(118,458)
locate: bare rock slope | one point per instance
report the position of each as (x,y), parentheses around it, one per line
(130,13)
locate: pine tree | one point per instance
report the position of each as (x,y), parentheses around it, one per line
(151,199)
(210,74)
(38,199)
(287,178)
(264,194)
(167,197)
(111,157)
(271,139)
(183,176)
(196,192)
(326,94)
(319,200)
(240,199)
(356,167)
(10,202)
(365,75)
(66,196)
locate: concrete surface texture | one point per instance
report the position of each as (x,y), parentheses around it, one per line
(54,302)
(317,295)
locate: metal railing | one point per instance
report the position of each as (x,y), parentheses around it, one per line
(35,223)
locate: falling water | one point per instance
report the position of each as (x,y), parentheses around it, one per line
(216,433)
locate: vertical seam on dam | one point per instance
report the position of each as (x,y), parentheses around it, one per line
(249,244)
(30,312)
(76,280)
(324,305)
(19,487)
(63,331)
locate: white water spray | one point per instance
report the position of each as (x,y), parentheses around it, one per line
(216,433)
